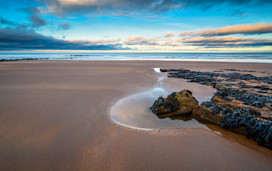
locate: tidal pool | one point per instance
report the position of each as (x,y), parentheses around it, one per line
(133,111)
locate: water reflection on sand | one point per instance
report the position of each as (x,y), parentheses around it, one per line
(133,111)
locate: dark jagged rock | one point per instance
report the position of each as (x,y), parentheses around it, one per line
(262,92)
(208,104)
(244,121)
(240,76)
(215,108)
(227,99)
(263,88)
(243,85)
(238,70)
(165,105)
(265,79)
(22,59)
(200,77)
(171,70)
(207,78)
(248,98)
(177,103)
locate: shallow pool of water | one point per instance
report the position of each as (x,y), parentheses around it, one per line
(133,111)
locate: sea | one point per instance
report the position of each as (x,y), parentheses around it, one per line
(206,57)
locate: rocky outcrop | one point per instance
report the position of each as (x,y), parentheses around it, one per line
(183,103)
(245,97)
(177,103)
(227,114)
(242,103)
(223,110)
(201,112)
(236,118)
(208,78)
(22,59)
(246,122)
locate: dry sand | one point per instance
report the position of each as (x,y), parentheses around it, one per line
(54,116)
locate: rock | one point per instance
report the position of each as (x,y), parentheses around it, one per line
(163,70)
(22,59)
(209,77)
(201,112)
(250,99)
(177,103)
(245,121)
(238,105)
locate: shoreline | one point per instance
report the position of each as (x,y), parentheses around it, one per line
(131,60)
(161,63)
(55,116)
(115,56)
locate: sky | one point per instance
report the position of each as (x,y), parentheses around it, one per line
(211,26)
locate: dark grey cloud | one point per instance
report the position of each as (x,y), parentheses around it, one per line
(37,21)
(6,22)
(21,39)
(64,7)
(35,17)
(65,26)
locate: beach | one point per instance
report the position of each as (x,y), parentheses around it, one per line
(54,115)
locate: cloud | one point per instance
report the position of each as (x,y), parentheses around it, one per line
(65,26)
(186,33)
(105,41)
(236,29)
(210,38)
(227,42)
(6,22)
(200,41)
(139,40)
(62,7)
(37,21)
(35,17)
(239,29)
(67,7)
(213,40)
(169,34)
(21,39)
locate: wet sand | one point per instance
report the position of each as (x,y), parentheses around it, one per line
(54,115)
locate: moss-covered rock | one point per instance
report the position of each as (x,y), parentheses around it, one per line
(201,112)
(177,103)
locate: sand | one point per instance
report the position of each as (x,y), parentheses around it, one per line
(54,115)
